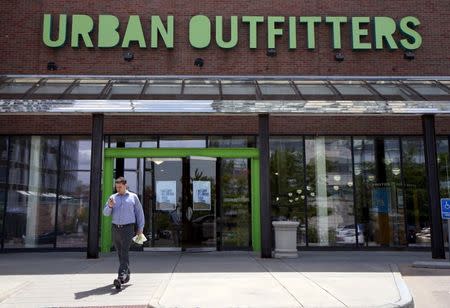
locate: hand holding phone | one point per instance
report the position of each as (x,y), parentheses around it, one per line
(111,202)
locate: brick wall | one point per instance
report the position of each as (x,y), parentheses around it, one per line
(220,124)
(23,52)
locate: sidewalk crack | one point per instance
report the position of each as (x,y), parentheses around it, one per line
(276,279)
(312,281)
(155,299)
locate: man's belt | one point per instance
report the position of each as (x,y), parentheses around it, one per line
(122,226)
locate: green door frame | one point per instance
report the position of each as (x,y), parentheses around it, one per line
(108,165)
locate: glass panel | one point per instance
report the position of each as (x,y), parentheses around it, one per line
(352,89)
(15,88)
(133,142)
(379,194)
(427,88)
(52,88)
(313,89)
(238,88)
(123,89)
(231,141)
(51,81)
(417,207)
(329,191)
(30,212)
(236,216)
(75,153)
(194,87)
(276,88)
(132,178)
(165,87)
(3,176)
(87,89)
(287,184)
(444,176)
(200,212)
(148,202)
(389,89)
(26,80)
(73,209)
(166,223)
(182,142)
(94,81)
(131,163)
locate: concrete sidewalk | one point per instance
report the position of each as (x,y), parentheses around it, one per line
(216,279)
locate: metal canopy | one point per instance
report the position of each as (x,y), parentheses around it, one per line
(215,94)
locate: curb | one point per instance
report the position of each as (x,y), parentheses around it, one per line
(431,264)
(406,299)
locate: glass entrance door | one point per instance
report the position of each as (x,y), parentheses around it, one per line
(163,197)
(180,203)
(199,208)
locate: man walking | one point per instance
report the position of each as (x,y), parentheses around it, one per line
(126,211)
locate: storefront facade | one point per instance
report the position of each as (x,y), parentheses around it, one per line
(225,117)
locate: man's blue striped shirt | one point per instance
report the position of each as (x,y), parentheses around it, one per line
(127,210)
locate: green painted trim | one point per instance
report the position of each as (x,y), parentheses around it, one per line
(106,236)
(256,212)
(182,152)
(111,153)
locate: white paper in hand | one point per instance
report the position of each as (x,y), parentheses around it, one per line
(139,239)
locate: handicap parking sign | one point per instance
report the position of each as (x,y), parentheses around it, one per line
(445,208)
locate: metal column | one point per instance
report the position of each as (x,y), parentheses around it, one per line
(95,193)
(266,224)
(437,242)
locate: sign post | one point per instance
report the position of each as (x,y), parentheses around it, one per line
(445,213)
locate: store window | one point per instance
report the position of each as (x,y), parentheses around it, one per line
(329,189)
(379,194)
(31,192)
(287,182)
(131,168)
(231,141)
(236,209)
(182,142)
(416,199)
(444,176)
(3,178)
(74,183)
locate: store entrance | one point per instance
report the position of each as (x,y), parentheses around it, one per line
(193,199)
(180,203)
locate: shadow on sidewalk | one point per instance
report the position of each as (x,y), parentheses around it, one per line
(108,289)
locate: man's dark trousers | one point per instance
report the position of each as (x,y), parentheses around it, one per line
(122,237)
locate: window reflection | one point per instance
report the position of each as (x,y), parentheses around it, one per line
(444,176)
(31,209)
(416,199)
(182,142)
(231,141)
(329,191)
(3,176)
(287,184)
(379,198)
(73,205)
(235,203)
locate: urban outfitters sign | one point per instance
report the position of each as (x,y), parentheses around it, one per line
(204,31)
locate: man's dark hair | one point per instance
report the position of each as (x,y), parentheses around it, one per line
(121,180)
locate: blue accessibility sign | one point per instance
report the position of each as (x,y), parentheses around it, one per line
(445,208)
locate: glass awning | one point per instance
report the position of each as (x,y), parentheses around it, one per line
(52,93)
